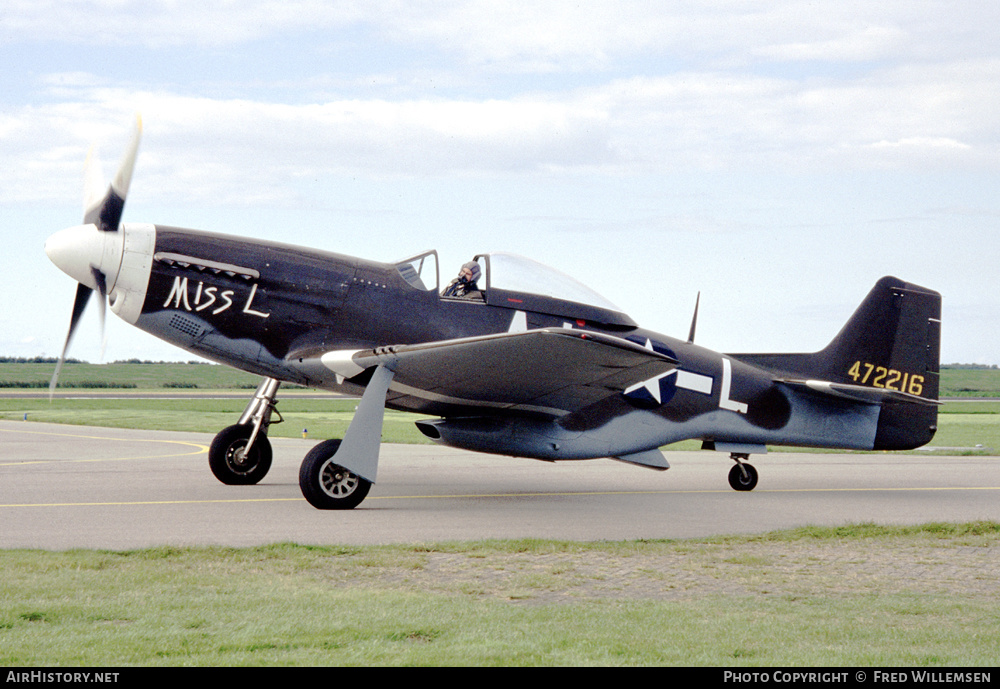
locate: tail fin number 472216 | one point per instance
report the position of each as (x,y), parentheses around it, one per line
(865,373)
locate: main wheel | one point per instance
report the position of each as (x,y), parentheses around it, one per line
(329,486)
(739,481)
(232,464)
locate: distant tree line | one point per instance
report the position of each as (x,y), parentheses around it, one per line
(972,367)
(80,384)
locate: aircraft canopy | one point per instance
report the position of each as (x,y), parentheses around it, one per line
(512,280)
(519,274)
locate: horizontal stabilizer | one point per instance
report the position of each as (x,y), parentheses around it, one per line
(857,393)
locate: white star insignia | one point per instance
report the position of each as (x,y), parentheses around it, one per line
(652,385)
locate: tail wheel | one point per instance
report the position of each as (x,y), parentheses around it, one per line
(743,476)
(327,485)
(232,463)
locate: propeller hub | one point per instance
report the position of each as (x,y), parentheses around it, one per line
(83,250)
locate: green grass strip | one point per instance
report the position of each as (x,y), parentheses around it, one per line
(852,595)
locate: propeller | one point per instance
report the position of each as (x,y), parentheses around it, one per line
(91,252)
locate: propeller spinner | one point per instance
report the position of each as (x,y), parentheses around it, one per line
(91,253)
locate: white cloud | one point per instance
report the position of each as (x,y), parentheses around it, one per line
(861,44)
(567,35)
(563,35)
(904,118)
(158,23)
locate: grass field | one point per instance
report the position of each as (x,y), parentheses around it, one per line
(970,382)
(964,427)
(321,418)
(971,426)
(955,382)
(857,596)
(143,376)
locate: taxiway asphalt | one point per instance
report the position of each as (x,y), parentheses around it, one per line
(67,487)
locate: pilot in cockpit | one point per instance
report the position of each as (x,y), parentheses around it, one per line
(465,284)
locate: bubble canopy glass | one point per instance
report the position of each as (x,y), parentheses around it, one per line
(516,282)
(515,273)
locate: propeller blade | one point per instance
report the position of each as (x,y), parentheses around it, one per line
(76,248)
(102,283)
(106,212)
(79,305)
(94,185)
(102,290)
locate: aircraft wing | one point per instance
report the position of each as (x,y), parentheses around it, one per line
(855,393)
(551,371)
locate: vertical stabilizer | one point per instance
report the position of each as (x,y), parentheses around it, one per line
(893,342)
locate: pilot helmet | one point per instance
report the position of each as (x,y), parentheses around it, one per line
(474,269)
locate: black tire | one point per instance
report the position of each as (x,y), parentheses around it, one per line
(740,482)
(329,486)
(231,465)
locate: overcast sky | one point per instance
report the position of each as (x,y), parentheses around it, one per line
(779,157)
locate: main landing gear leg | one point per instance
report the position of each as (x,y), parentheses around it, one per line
(743,476)
(241,454)
(337,474)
